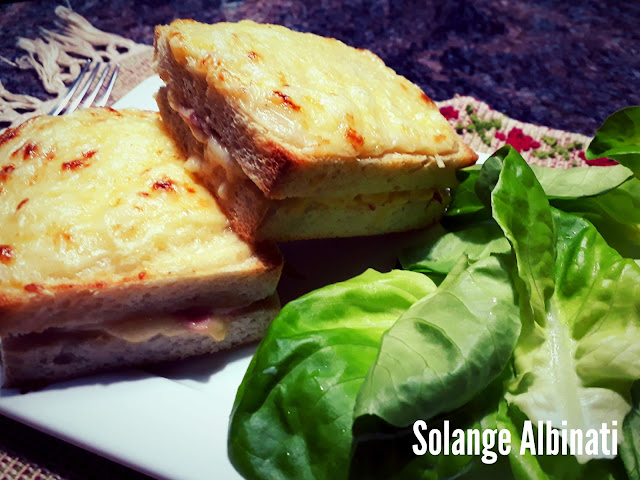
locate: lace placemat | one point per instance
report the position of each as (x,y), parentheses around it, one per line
(13,467)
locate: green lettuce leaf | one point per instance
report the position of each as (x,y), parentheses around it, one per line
(520,207)
(577,182)
(630,447)
(464,201)
(526,466)
(490,174)
(293,413)
(619,138)
(580,181)
(388,453)
(579,351)
(442,253)
(568,183)
(446,348)
(615,214)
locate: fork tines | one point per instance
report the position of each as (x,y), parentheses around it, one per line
(89,88)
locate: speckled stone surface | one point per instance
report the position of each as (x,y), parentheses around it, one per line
(550,63)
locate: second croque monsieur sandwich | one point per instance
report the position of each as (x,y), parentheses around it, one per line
(112,254)
(301,136)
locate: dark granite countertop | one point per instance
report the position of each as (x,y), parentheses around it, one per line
(550,63)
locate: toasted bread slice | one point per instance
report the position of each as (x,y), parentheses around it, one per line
(255,216)
(305,116)
(100,221)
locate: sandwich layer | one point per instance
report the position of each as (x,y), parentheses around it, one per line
(362,215)
(253,215)
(61,353)
(303,115)
(100,217)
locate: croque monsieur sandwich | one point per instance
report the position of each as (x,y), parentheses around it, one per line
(301,136)
(112,254)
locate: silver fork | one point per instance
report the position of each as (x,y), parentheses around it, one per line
(90,89)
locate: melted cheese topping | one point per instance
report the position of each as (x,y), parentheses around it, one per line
(216,155)
(104,195)
(313,93)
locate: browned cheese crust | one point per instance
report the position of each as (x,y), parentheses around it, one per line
(100,219)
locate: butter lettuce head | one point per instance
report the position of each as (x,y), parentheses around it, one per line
(536,318)
(579,351)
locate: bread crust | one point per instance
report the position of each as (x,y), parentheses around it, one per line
(279,169)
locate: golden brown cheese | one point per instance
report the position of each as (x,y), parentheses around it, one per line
(104,194)
(314,94)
